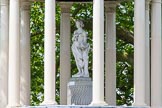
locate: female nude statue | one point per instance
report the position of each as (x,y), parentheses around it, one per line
(80,49)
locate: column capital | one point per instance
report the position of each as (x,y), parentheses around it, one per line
(156,1)
(4,2)
(65,7)
(25,6)
(110,6)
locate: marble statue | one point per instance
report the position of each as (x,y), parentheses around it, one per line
(80,49)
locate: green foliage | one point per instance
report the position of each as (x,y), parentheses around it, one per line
(125,69)
(124,75)
(37,52)
(84,12)
(125,13)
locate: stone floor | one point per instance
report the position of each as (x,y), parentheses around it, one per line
(79,106)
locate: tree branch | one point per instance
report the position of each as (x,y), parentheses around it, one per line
(124,35)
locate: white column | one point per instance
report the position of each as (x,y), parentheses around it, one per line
(110,65)
(4,47)
(0,18)
(156,55)
(25,54)
(65,65)
(139,53)
(98,53)
(147,54)
(14,56)
(49,60)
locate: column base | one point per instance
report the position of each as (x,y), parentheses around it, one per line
(48,103)
(98,103)
(139,104)
(13,106)
(156,106)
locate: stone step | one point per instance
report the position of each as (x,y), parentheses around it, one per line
(79,106)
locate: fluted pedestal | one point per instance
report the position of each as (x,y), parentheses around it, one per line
(79,91)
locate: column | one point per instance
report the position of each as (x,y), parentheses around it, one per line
(4,47)
(147,54)
(25,54)
(110,65)
(65,67)
(49,57)
(156,55)
(14,56)
(98,53)
(139,53)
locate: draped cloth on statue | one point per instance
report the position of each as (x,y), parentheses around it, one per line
(80,49)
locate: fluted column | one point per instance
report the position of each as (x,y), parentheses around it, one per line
(4,47)
(139,53)
(156,55)
(98,53)
(65,67)
(14,56)
(147,54)
(49,60)
(110,64)
(25,54)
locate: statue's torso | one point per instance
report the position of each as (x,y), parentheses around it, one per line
(80,38)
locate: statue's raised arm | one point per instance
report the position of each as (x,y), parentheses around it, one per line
(80,49)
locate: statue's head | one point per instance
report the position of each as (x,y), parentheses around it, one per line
(79,23)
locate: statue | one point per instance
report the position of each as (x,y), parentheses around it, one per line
(80,49)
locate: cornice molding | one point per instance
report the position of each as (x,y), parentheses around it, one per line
(156,1)
(25,5)
(4,2)
(65,7)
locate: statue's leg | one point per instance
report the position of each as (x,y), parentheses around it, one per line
(86,73)
(77,60)
(75,57)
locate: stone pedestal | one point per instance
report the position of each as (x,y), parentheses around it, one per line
(79,91)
